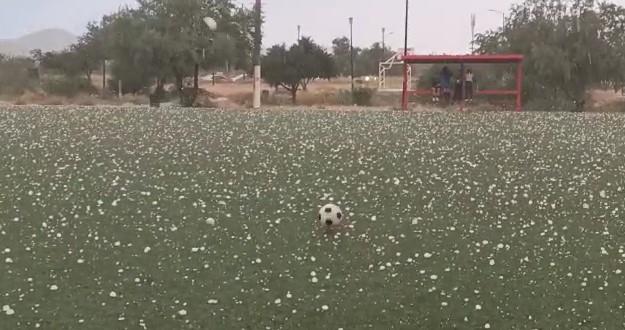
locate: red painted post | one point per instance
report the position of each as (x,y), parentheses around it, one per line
(404,93)
(519,87)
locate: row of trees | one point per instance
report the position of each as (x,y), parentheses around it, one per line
(293,68)
(571,47)
(159,42)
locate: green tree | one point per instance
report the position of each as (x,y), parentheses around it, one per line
(16,75)
(294,68)
(342,55)
(368,60)
(571,46)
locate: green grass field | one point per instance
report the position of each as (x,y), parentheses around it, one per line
(465,221)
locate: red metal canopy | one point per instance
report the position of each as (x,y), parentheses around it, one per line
(467,59)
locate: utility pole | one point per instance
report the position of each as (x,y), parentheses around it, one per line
(258,41)
(299,32)
(351,51)
(473,24)
(404,95)
(384,39)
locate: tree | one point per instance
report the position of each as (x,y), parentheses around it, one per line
(297,66)
(312,61)
(89,50)
(15,75)
(571,46)
(366,61)
(342,55)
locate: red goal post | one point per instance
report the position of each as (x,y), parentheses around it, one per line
(462,60)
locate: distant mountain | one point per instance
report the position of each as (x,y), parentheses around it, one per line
(46,40)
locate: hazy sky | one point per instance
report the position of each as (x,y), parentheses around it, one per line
(435,25)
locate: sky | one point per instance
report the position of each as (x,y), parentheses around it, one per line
(436,26)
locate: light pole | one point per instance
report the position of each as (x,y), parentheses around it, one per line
(299,32)
(351,51)
(503,16)
(257,45)
(404,94)
(383,38)
(473,24)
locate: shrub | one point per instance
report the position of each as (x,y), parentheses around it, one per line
(344,97)
(16,76)
(67,86)
(363,96)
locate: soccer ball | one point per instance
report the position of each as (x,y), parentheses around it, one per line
(330,215)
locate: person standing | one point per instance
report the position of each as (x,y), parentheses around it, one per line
(445,81)
(469,79)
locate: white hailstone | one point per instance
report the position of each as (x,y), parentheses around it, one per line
(277,301)
(433,277)
(603,194)
(313,259)
(604,251)
(586,206)
(484,242)
(374,218)
(478,307)
(258,260)
(8,310)
(415,222)
(80,261)
(289,295)
(212,301)
(194,250)
(500,246)
(8,260)
(617,272)
(118,243)
(325,307)
(210,221)
(492,262)
(147,249)
(54,287)
(314,280)
(427,255)
(182,312)
(444,304)
(113,294)
(487,326)
(137,280)
(313,274)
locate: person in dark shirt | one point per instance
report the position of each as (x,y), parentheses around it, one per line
(445,81)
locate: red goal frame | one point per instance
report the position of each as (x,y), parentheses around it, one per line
(462,60)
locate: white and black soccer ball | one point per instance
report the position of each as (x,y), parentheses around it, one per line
(331,215)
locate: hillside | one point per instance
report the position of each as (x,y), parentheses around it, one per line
(46,40)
